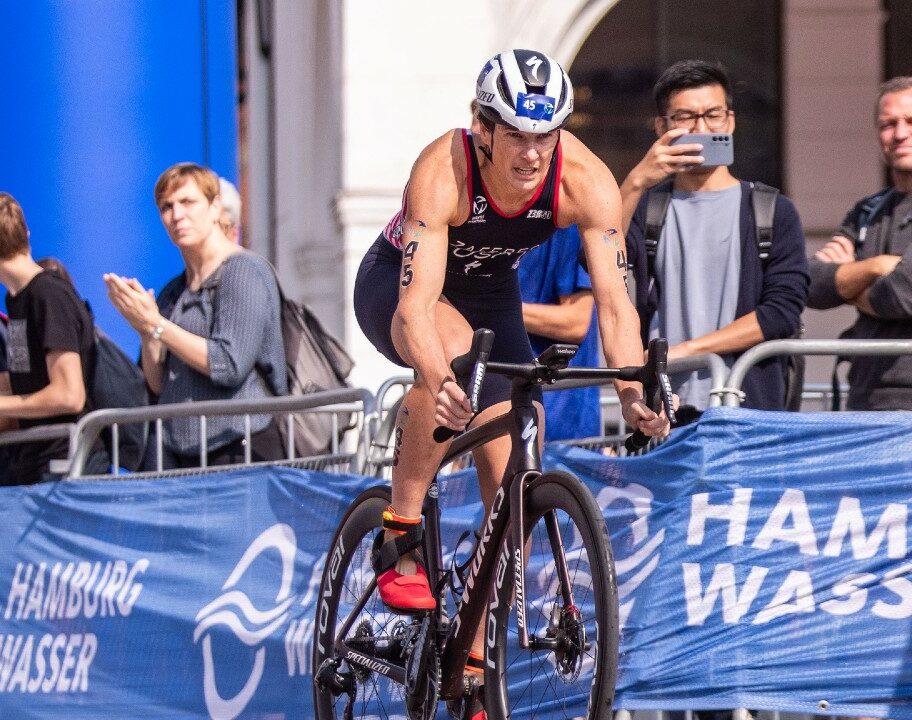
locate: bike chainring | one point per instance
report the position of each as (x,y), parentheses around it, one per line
(365,642)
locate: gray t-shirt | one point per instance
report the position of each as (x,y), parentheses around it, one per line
(698,268)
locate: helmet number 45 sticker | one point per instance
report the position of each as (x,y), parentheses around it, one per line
(534,106)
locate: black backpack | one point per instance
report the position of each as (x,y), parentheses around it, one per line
(117,382)
(763,203)
(315,361)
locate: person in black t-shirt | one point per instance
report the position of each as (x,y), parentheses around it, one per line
(49,349)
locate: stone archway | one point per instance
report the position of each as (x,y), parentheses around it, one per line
(557,28)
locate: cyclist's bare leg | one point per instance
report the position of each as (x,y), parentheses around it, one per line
(416,456)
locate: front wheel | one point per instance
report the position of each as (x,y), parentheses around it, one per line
(571,668)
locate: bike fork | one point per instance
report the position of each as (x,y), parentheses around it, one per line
(517,505)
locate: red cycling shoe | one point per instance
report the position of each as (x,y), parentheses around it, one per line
(400,593)
(405,593)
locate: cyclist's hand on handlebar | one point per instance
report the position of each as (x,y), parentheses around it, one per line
(638,416)
(453,408)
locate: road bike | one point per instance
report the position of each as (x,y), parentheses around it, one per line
(540,579)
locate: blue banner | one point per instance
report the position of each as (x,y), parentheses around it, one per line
(762,563)
(761,560)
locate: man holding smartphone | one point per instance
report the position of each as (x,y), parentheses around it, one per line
(702,280)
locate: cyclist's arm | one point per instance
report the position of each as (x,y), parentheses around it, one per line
(590,198)
(433,198)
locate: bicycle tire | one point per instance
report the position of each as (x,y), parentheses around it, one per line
(556,683)
(348,571)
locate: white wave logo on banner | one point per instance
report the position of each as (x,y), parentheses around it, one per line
(633,569)
(256,625)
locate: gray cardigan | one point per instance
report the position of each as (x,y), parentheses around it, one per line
(237,310)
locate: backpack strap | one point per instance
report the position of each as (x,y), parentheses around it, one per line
(763,203)
(871,207)
(656,208)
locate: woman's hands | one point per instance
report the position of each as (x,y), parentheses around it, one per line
(134,302)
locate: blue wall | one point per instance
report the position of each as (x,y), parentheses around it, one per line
(98,97)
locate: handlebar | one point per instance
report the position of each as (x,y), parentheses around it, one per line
(552,365)
(470,371)
(656,389)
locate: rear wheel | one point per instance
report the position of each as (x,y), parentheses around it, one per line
(571,668)
(373,631)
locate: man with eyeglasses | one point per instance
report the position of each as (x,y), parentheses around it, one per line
(868,263)
(705,287)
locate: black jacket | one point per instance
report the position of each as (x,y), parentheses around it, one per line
(778,292)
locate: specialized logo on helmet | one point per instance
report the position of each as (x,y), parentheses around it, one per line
(535,63)
(642,550)
(252,626)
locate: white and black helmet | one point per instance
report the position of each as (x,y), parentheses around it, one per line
(524,89)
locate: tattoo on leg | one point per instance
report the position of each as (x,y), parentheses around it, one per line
(397,446)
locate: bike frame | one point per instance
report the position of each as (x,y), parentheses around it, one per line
(506,514)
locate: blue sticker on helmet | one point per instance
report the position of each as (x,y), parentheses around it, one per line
(484,72)
(534,106)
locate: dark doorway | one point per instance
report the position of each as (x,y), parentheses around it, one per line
(897,31)
(615,69)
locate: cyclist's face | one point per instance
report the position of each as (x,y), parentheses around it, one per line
(523,157)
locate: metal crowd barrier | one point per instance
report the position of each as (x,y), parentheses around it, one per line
(337,402)
(40,433)
(732,394)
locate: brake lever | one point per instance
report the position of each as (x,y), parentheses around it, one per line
(656,389)
(469,370)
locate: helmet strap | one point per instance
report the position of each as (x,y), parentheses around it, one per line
(488,150)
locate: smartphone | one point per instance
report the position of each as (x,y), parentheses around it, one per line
(717,147)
